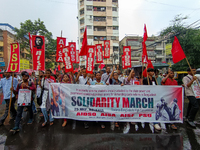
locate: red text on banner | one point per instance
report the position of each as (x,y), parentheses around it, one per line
(72,49)
(99,53)
(106,49)
(61,42)
(14,64)
(38,52)
(90,59)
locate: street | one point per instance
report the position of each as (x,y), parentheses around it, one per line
(34,137)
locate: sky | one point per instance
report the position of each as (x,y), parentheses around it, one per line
(133,14)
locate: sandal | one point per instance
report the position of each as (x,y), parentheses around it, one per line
(103,126)
(51,123)
(44,124)
(64,124)
(173,127)
(116,125)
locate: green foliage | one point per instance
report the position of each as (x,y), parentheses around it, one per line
(189,39)
(36,28)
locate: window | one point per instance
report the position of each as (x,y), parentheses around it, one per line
(1,58)
(98,0)
(89,8)
(99,8)
(99,38)
(81,12)
(99,18)
(110,28)
(82,21)
(1,49)
(114,9)
(115,48)
(109,17)
(114,18)
(113,38)
(99,28)
(159,52)
(114,1)
(82,30)
(134,43)
(115,28)
(89,27)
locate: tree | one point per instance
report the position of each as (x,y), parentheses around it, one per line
(189,39)
(36,28)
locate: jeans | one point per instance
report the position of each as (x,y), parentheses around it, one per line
(33,107)
(20,111)
(12,109)
(45,113)
(193,108)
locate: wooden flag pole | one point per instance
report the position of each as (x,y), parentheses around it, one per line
(191,70)
(147,75)
(8,117)
(142,73)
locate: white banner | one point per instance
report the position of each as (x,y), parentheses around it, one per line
(24,97)
(138,103)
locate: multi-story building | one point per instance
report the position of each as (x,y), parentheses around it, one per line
(102,20)
(7,36)
(155,49)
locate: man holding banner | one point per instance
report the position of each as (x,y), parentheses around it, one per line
(193,106)
(6,84)
(25,99)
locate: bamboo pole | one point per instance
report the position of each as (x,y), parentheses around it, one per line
(142,74)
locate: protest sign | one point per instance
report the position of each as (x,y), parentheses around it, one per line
(24,97)
(119,103)
(72,49)
(106,49)
(90,59)
(196,89)
(44,99)
(99,53)
(61,42)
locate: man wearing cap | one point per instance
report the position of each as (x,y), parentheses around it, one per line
(6,84)
(24,85)
(193,105)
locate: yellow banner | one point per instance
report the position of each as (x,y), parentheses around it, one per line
(168,48)
(24,64)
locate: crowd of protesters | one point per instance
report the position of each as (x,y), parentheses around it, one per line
(114,77)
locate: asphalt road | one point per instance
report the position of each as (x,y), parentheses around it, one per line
(34,137)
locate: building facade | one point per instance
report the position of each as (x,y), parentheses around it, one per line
(155,49)
(7,36)
(102,20)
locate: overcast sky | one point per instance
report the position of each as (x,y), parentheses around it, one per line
(61,14)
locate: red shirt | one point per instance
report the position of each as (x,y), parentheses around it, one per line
(169,82)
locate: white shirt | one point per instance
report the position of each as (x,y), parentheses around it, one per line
(83,80)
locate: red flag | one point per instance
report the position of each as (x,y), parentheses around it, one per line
(99,54)
(150,65)
(144,53)
(83,51)
(177,52)
(61,42)
(38,52)
(107,49)
(30,42)
(101,66)
(90,59)
(145,34)
(127,56)
(123,67)
(72,49)
(14,64)
(67,59)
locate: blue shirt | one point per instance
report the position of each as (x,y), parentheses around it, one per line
(97,83)
(6,85)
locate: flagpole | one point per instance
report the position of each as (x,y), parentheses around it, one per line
(142,73)
(147,75)
(191,70)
